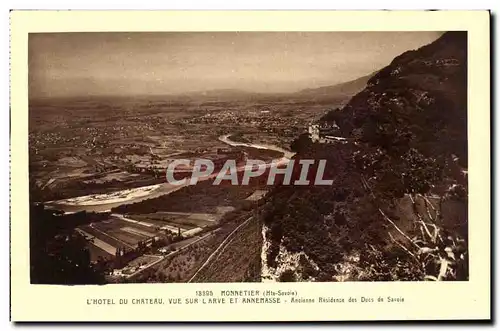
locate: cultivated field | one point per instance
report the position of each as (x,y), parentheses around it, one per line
(107,236)
(182,265)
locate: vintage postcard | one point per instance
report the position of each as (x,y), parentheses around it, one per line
(231,166)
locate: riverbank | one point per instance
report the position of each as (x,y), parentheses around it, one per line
(105,202)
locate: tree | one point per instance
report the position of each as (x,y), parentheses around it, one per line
(58,256)
(301,143)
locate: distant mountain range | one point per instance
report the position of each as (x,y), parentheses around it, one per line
(342,91)
(346,89)
(337,93)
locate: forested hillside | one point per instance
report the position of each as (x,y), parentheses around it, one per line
(397,209)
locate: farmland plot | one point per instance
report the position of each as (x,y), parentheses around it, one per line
(98,242)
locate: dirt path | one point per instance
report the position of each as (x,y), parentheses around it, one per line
(170,254)
(218,248)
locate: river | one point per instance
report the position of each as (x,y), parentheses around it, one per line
(287,154)
(104,202)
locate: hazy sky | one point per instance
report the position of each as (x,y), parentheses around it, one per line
(67,64)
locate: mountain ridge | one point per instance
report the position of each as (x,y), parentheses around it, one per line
(401,169)
(341,90)
(348,88)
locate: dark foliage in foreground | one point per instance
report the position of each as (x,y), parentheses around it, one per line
(58,255)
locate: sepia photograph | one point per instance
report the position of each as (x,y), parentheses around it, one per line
(226,166)
(239,156)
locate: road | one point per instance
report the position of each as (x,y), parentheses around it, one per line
(286,153)
(170,254)
(218,248)
(192,243)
